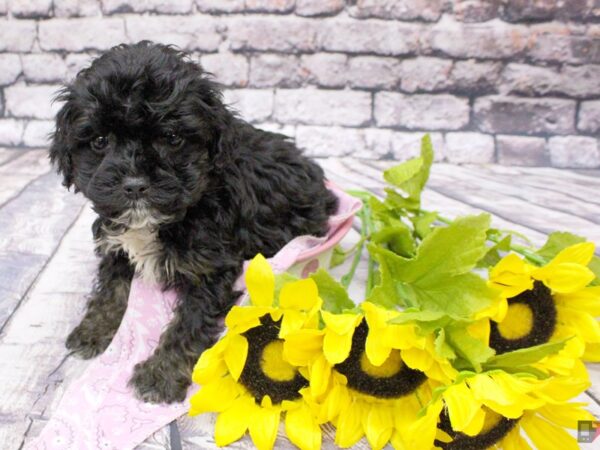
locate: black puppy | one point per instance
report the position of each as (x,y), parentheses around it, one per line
(185,191)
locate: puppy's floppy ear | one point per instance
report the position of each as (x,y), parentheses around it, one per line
(60,148)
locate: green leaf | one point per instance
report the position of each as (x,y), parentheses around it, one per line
(401,173)
(398,237)
(524,356)
(337,257)
(493,256)
(335,297)
(423,223)
(471,349)
(560,240)
(441,346)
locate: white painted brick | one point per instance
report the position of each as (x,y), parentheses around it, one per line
(369,36)
(318,7)
(263,33)
(469,147)
(228,69)
(429,10)
(31,101)
(189,33)
(434,112)
(31,8)
(475,77)
(326,69)
(10,68)
(287,130)
(574,152)
(227,6)
(139,6)
(37,133)
(3,7)
(83,34)
(11,132)
(77,8)
(275,70)
(280,6)
(17,35)
(374,72)
(425,74)
(254,105)
(589,116)
(313,107)
(44,67)
(337,141)
(406,145)
(521,150)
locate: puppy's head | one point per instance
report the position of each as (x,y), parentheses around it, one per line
(139,132)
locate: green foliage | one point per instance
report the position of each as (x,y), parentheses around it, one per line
(523,357)
(335,297)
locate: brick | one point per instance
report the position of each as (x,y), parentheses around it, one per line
(77,61)
(44,67)
(425,74)
(475,10)
(475,77)
(287,130)
(493,39)
(228,69)
(428,10)
(589,117)
(369,36)
(319,7)
(140,6)
(189,33)
(77,8)
(254,105)
(84,34)
(314,107)
(326,69)
(227,6)
(435,112)
(11,132)
(338,141)
(521,151)
(406,145)
(496,114)
(530,80)
(469,147)
(531,10)
(3,7)
(31,101)
(259,33)
(558,45)
(31,8)
(577,152)
(374,72)
(37,133)
(11,68)
(580,81)
(275,70)
(17,35)
(279,6)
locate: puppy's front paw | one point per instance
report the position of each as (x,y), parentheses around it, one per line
(158,380)
(87,342)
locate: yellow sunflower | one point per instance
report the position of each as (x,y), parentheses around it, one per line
(244,377)
(360,379)
(494,409)
(549,303)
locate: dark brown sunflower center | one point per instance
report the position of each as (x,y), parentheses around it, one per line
(531,321)
(390,380)
(264,372)
(490,435)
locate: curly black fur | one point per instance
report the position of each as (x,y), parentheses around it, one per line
(217,191)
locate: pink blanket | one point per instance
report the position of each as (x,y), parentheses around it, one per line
(99,411)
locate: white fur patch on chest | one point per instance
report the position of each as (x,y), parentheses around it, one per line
(142,247)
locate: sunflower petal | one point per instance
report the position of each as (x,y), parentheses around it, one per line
(462,406)
(210,365)
(566,415)
(242,318)
(564,277)
(301,295)
(581,253)
(232,423)
(586,300)
(320,373)
(302,346)
(514,441)
(379,425)
(349,426)
(263,427)
(543,434)
(214,397)
(235,355)
(260,281)
(302,429)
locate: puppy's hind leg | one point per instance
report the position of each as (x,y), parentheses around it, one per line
(105,308)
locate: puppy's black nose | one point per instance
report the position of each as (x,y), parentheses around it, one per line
(135,187)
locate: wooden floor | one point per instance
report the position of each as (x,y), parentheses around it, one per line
(47,263)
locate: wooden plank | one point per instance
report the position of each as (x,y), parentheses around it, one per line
(32,162)
(8,154)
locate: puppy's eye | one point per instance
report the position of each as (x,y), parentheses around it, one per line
(174,140)
(100,142)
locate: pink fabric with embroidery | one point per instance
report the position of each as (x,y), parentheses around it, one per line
(99,411)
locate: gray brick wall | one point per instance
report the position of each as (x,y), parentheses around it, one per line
(510,81)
